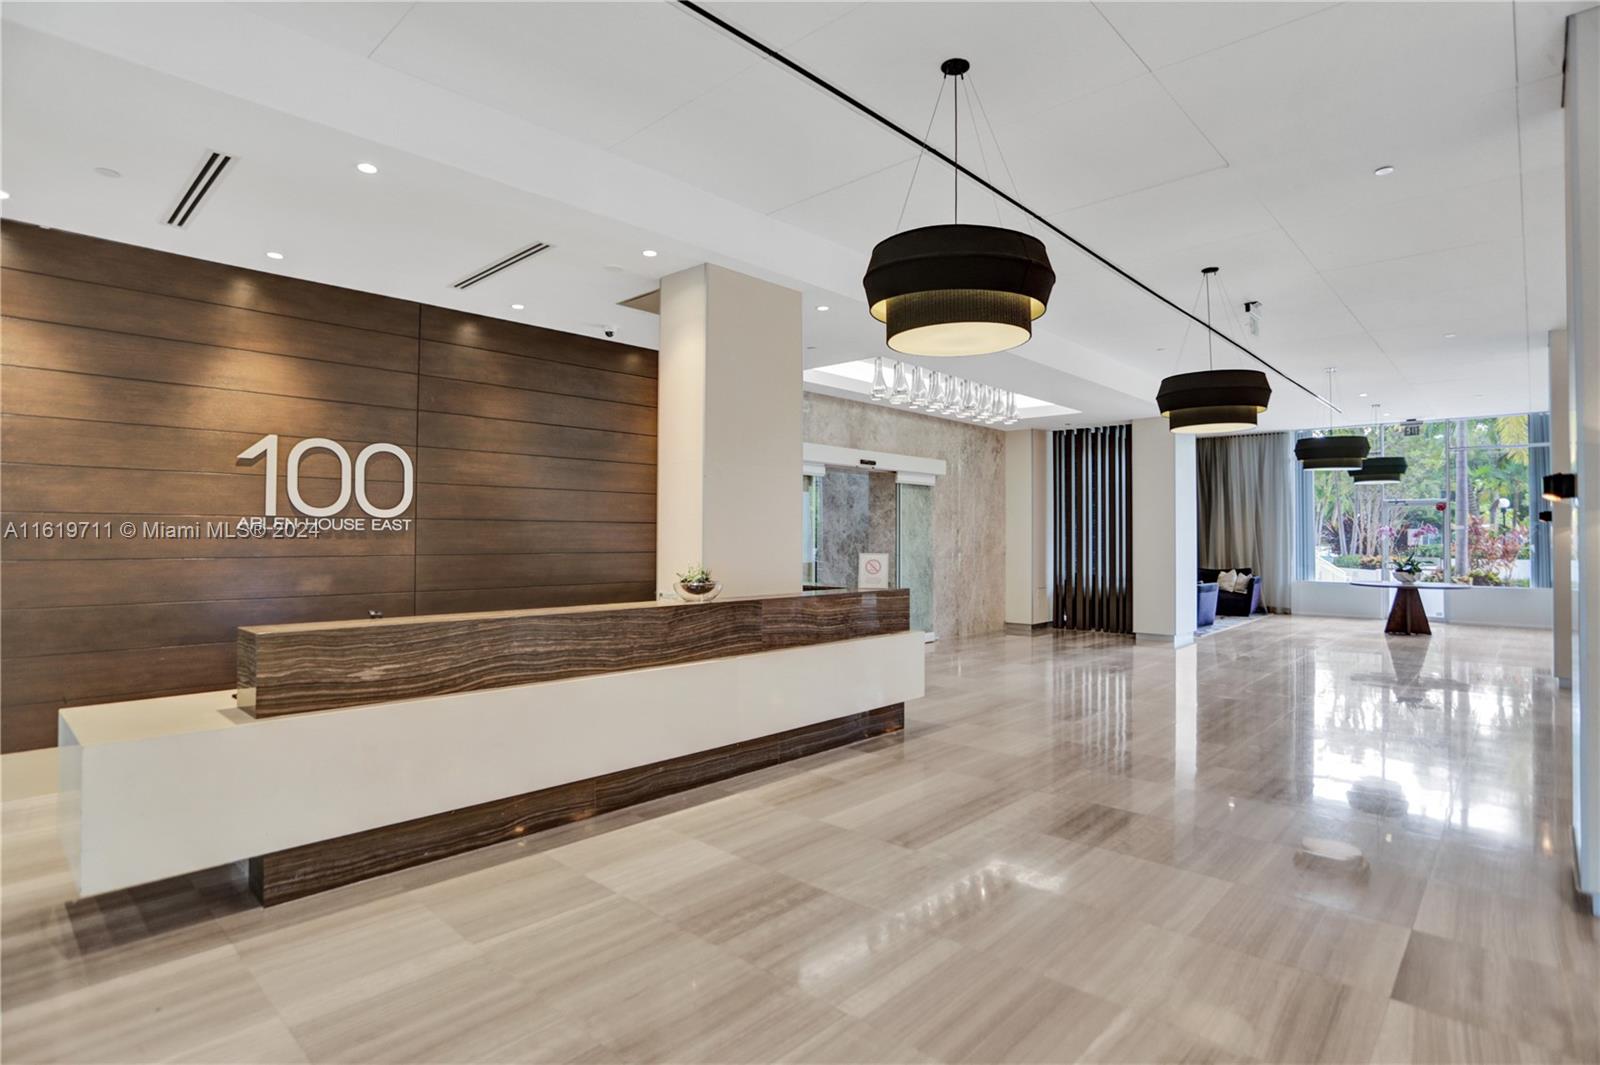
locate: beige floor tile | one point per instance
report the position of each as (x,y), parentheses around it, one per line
(150,1015)
(511,895)
(1416,1037)
(1151,892)
(348,955)
(1523,1000)
(1552,933)
(267,1043)
(465,1012)
(641,857)
(975,1009)
(1339,946)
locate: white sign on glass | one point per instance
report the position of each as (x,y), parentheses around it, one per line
(872,571)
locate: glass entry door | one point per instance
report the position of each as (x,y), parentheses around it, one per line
(914,551)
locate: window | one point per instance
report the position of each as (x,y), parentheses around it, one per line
(1466,509)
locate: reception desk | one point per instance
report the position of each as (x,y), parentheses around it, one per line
(351,749)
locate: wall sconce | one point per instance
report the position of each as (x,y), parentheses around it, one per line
(1559,486)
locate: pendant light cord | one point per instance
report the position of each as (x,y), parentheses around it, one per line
(955,171)
(1211,361)
(702,12)
(898,222)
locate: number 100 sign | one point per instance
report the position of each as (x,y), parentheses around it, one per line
(352,477)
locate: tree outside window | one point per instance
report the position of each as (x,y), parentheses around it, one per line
(1465,507)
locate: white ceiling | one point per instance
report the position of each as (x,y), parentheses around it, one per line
(1167,136)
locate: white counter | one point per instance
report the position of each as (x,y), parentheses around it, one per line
(160,787)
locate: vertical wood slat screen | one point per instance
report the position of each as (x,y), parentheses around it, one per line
(1094,528)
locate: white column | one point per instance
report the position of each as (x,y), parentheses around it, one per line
(1027,529)
(729,447)
(1165,551)
(1582,98)
(1561,461)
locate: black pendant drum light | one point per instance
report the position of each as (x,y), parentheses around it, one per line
(1331,452)
(1211,400)
(1380,468)
(958,289)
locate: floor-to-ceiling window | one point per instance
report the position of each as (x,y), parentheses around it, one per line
(1466,510)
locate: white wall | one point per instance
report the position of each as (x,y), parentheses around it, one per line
(1582,100)
(1561,461)
(1528,608)
(1164,544)
(1027,527)
(729,438)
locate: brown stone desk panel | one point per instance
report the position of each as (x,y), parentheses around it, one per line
(315,867)
(285,669)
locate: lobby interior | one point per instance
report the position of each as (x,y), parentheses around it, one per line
(811,532)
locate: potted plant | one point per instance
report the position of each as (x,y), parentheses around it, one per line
(696,585)
(1408,570)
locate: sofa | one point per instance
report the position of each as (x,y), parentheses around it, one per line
(1235,604)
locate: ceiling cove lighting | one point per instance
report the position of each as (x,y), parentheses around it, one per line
(937,392)
(958,289)
(1331,452)
(1213,401)
(1380,468)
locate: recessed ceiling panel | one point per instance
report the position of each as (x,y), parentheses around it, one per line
(1026,57)
(355,27)
(1122,140)
(1349,66)
(766,139)
(597,72)
(1164,33)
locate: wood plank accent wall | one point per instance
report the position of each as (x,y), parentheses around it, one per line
(129,380)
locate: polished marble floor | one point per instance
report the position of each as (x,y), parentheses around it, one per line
(1079,850)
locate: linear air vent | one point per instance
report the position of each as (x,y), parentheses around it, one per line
(504,264)
(202,184)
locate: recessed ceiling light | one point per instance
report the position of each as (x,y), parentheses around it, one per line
(1362,396)
(649,253)
(1449,336)
(367,168)
(516,306)
(1383,171)
(822,306)
(106,171)
(274,254)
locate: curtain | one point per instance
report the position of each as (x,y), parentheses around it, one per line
(1093,524)
(1246,499)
